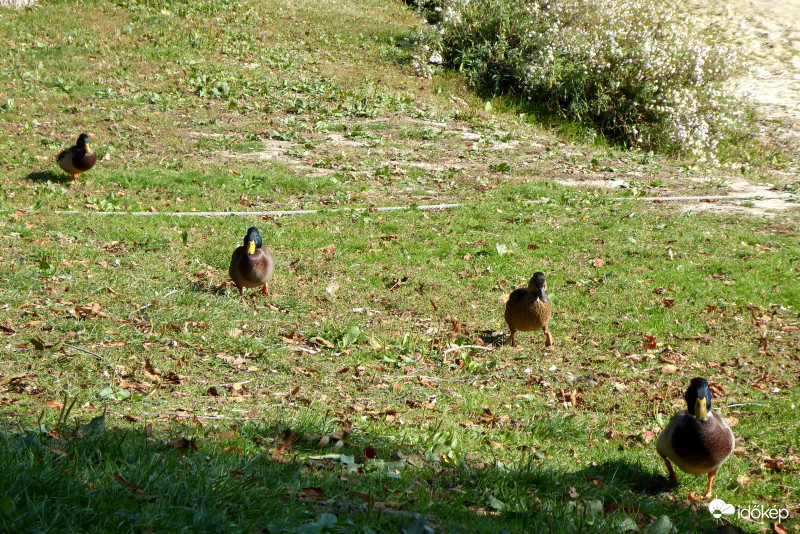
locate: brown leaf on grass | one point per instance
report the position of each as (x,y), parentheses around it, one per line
(573,493)
(311,494)
(324,343)
(328,250)
(364,496)
(344,431)
(288,438)
(133,488)
(668,302)
(569,398)
(182,444)
(651,342)
(7,329)
(93,309)
(15,379)
(369,453)
(293,338)
(777,528)
(704,338)
(172,378)
(598,262)
(294,392)
(648,436)
(776,464)
(56,405)
(212,392)
(150,371)
(669,369)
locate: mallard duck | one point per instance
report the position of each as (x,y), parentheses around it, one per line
(78,158)
(251,265)
(696,439)
(529,309)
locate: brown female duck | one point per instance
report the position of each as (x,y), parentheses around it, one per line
(77,158)
(252,265)
(529,309)
(697,440)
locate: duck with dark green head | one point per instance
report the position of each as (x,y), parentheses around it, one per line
(252,264)
(696,439)
(77,158)
(529,309)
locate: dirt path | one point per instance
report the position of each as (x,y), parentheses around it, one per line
(771,32)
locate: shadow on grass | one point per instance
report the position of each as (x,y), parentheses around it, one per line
(49,176)
(269,478)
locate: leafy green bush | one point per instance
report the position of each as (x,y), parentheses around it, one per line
(644,72)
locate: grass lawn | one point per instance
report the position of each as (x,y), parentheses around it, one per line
(373,390)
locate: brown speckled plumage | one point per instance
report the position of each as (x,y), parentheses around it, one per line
(529,309)
(255,269)
(697,447)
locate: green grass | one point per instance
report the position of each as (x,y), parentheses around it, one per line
(312,409)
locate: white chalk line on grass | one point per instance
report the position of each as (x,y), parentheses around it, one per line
(428,207)
(274,213)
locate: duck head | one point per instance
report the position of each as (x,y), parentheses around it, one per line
(698,398)
(252,240)
(82,140)
(537,285)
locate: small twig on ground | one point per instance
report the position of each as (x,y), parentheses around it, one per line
(188,415)
(134,312)
(73,347)
(455,349)
(229,384)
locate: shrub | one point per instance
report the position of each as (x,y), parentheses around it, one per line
(644,72)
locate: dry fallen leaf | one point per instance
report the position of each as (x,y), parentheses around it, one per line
(182,444)
(648,435)
(288,437)
(669,369)
(598,262)
(332,288)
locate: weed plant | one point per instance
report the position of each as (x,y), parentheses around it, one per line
(645,73)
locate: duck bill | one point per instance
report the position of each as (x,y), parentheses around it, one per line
(88,150)
(700,409)
(251,247)
(542,296)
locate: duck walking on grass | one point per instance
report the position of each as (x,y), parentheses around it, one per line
(252,265)
(529,309)
(696,439)
(77,158)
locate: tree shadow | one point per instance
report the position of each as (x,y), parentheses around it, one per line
(270,477)
(49,176)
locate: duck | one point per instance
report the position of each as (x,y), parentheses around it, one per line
(697,440)
(77,158)
(529,309)
(252,264)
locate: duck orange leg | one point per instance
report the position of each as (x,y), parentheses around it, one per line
(265,289)
(548,337)
(671,471)
(710,481)
(512,338)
